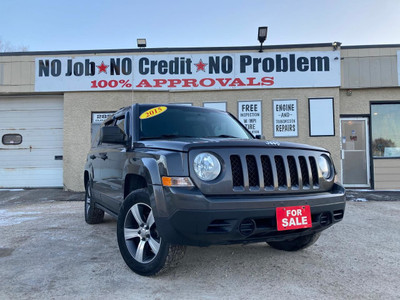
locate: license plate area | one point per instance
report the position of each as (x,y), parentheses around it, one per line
(293,217)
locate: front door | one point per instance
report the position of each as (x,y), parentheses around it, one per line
(355,152)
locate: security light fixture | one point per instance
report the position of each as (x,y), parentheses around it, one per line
(141,43)
(336,45)
(262,35)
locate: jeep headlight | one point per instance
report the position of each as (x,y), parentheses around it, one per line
(207,166)
(325,165)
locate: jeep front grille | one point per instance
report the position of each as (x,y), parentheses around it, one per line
(274,172)
(237,171)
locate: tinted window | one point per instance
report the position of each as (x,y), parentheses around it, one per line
(385,121)
(11,139)
(190,122)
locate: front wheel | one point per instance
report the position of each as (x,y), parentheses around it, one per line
(142,248)
(296,244)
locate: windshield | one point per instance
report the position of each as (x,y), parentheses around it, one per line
(160,122)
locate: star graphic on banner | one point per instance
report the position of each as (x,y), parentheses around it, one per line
(200,66)
(102,67)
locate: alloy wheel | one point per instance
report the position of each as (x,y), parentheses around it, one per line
(141,236)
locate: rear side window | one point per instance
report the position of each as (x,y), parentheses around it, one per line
(11,139)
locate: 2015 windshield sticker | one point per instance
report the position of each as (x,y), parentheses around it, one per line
(153,112)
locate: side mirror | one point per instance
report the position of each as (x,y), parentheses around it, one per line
(260,137)
(112,135)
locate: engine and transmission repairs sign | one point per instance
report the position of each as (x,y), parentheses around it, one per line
(285,118)
(185,71)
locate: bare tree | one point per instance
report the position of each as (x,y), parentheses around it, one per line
(5,46)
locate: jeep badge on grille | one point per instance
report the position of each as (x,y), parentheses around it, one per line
(272,143)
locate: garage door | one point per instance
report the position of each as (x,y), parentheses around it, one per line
(31,149)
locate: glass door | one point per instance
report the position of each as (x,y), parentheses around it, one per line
(355,152)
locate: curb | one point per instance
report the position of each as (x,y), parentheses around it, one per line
(372,195)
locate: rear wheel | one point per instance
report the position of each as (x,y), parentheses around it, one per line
(142,248)
(296,244)
(93,215)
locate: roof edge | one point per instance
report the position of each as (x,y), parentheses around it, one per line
(371,46)
(161,50)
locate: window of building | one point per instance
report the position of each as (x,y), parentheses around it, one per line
(11,139)
(385,124)
(322,119)
(215,105)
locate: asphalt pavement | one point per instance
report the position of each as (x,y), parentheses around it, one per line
(47,251)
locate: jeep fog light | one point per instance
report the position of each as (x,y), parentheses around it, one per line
(325,166)
(206,166)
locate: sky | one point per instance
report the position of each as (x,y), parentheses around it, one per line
(56,25)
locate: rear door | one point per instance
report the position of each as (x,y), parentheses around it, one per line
(114,158)
(108,162)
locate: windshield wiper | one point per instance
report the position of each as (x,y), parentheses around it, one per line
(222,136)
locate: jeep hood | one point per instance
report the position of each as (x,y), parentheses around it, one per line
(186,144)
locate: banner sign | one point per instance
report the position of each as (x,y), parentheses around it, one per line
(189,71)
(250,115)
(285,118)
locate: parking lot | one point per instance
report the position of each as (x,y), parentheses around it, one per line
(47,251)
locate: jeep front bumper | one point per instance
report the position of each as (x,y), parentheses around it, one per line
(188,217)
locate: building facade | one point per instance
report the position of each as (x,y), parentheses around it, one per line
(345,99)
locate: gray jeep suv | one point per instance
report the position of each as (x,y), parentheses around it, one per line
(175,175)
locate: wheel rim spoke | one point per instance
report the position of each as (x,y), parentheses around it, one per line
(140,251)
(136,214)
(154,245)
(150,220)
(131,233)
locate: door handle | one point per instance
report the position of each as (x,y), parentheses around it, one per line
(92,156)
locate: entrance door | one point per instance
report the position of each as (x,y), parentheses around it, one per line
(355,152)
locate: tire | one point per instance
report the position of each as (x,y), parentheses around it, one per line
(141,247)
(296,244)
(93,215)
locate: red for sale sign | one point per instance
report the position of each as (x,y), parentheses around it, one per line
(293,217)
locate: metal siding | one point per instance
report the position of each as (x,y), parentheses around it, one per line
(376,73)
(369,71)
(389,71)
(386,174)
(364,67)
(1,73)
(32,163)
(354,73)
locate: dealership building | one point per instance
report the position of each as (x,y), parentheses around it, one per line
(343,98)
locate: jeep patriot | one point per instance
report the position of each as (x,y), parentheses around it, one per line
(176,175)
